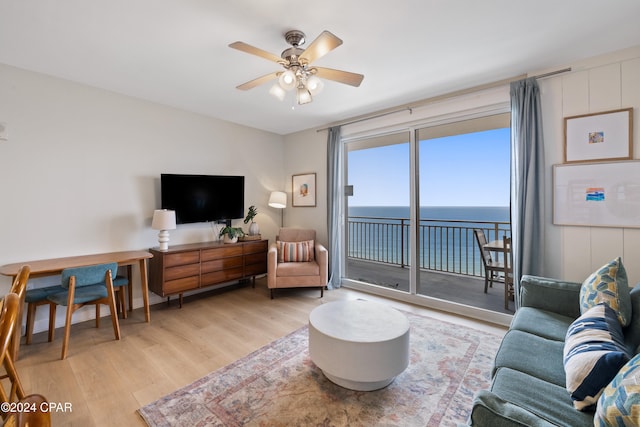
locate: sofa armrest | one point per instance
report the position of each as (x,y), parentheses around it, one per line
(323,261)
(272,265)
(491,410)
(557,296)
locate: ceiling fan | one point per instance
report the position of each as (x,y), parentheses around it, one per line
(298,72)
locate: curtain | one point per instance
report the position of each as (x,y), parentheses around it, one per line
(527,181)
(335,203)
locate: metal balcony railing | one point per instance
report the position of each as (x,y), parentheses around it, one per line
(443,245)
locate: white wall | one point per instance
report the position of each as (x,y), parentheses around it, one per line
(600,84)
(306,152)
(80,172)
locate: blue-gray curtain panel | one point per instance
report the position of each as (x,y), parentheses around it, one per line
(334,205)
(527,180)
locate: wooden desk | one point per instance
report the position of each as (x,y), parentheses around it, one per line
(51,267)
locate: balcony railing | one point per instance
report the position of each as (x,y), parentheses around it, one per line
(443,245)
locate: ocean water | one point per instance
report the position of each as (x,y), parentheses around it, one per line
(471,213)
(445,233)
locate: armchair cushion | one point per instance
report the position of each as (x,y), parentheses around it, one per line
(291,269)
(296,251)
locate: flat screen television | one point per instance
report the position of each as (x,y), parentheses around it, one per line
(202,198)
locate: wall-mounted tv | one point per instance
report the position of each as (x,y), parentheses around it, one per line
(202,198)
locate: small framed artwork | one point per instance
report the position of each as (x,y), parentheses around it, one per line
(599,136)
(303,190)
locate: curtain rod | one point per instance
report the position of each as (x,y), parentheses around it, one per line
(449,95)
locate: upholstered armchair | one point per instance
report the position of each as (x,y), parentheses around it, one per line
(297,260)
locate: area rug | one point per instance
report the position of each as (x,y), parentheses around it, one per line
(279,385)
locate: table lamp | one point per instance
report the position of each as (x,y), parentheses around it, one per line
(163,220)
(278,200)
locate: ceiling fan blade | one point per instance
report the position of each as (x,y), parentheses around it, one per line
(255,51)
(322,45)
(345,77)
(257,82)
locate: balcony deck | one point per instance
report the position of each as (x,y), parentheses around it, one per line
(452,287)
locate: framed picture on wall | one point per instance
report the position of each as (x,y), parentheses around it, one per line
(597,194)
(303,190)
(599,136)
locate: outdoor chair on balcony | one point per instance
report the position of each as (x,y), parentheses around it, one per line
(493,270)
(297,260)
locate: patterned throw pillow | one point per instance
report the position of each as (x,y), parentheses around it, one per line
(296,251)
(594,352)
(608,285)
(619,404)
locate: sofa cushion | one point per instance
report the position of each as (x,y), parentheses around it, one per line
(543,323)
(291,269)
(296,251)
(594,352)
(532,402)
(632,332)
(619,404)
(533,355)
(608,285)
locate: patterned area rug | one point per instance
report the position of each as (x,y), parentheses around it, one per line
(279,385)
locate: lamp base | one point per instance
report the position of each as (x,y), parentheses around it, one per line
(163,240)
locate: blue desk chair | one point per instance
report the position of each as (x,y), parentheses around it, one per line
(83,286)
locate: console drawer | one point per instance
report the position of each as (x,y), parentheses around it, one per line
(182,258)
(224,252)
(180,285)
(182,271)
(222,276)
(221,264)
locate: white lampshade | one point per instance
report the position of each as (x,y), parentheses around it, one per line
(163,219)
(303,96)
(277,91)
(314,85)
(288,80)
(278,200)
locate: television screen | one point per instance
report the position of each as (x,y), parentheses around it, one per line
(201,198)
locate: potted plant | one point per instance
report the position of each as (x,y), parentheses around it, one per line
(253,228)
(231,234)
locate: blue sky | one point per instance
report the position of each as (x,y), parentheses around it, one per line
(461,170)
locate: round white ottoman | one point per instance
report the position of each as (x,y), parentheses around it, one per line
(359,345)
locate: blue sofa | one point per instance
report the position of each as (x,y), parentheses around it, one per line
(528,378)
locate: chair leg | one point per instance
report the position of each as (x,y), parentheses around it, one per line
(271,292)
(17,391)
(122,305)
(52,321)
(486,281)
(97,315)
(31,315)
(67,324)
(112,306)
(321,291)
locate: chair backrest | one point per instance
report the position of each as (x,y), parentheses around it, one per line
(89,275)
(8,316)
(508,257)
(482,240)
(19,286)
(296,234)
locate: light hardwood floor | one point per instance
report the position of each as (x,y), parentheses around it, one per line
(106,381)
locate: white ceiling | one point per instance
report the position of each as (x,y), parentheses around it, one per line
(175,52)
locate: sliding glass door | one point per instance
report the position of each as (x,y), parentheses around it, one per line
(417,196)
(377,231)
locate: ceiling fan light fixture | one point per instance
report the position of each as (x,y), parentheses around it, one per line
(303,96)
(315,85)
(277,91)
(288,80)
